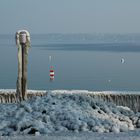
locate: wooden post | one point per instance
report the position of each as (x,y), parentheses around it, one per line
(23,44)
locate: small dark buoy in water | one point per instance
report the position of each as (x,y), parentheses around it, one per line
(51,74)
(122,60)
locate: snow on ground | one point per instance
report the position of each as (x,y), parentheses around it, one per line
(131,135)
(64,113)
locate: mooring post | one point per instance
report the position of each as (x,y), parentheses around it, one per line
(23,44)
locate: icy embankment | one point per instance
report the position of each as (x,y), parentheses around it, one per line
(63,113)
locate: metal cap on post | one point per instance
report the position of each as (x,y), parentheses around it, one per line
(23,44)
(22,37)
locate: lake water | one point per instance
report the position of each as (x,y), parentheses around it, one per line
(88,62)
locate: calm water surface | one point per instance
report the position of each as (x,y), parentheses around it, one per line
(78,64)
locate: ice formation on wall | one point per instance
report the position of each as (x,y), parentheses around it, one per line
(61,112)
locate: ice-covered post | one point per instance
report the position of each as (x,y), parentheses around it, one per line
(23,44)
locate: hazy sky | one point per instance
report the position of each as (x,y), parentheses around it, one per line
(70,16)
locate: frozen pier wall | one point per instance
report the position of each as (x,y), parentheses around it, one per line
(9,96)
(120,98)
(129,99)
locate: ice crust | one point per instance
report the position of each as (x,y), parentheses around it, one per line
(61,112)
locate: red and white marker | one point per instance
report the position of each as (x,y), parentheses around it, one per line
(51,74)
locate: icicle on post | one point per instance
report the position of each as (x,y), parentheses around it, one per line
(23,44)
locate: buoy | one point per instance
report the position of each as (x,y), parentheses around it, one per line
(51,74)
(109,80)
(122,60)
